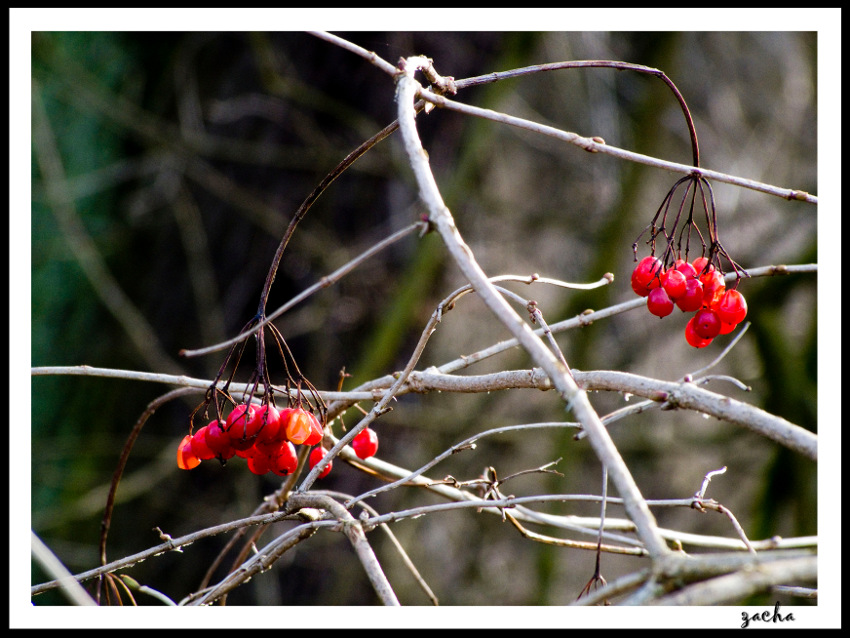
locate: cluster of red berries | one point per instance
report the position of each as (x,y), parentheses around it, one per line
(694,287)
(265,438)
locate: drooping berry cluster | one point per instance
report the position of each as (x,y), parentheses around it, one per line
(266,439)
(262,435)
(694,287)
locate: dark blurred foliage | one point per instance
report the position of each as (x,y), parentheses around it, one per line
(187,154)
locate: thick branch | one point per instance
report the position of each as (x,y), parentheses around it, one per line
(441,217)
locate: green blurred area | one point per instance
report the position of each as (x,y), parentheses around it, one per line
(186,154)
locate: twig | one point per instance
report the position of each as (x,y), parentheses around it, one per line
(692,397)
(326,281)
(169,545)
(594,146)
(370,511)
(54,567)
(261,561)
(565,542)
(586,319)
(355,531)
(122,462)
(745,582)
(466,444)
(371,56)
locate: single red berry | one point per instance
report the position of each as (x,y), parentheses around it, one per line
(706,324)
(692,299)
(299,428)
(269,420)
(659,302)
(200,447)
(685,268)
(284,460)
(316,455)
(316,431)
(646,275)
(726,328)
(693,338)
(674,283)
(702,266)
(365,444)
(218,441)
(259,463)
(242,425)
(732,307)
(185,459)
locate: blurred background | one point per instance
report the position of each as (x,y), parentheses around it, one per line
(168,167)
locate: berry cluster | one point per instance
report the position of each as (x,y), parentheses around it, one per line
(694,287)
(262,435)
(266,439)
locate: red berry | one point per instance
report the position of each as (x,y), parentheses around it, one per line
(732,307)
(269,420)
(702,266)
(218,441)
(365,444)
(726,328)
(685,268)
(706,324)
(316,431)
(242,424)
(200,447)
(646,275)
(284,460)
(299,428)
(259,463)
(713,287)
(185,459)
(659,302)
(694,339)
(674,283)
(316,455)
(692,299)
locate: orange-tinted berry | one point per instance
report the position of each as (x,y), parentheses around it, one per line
(299,428)
(186,460)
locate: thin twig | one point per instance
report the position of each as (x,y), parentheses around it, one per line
(594,146)
(326,281)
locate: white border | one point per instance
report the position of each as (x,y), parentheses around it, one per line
(825,21)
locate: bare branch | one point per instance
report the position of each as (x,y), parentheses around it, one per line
(595,146)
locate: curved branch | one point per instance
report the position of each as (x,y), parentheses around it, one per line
(596,146)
